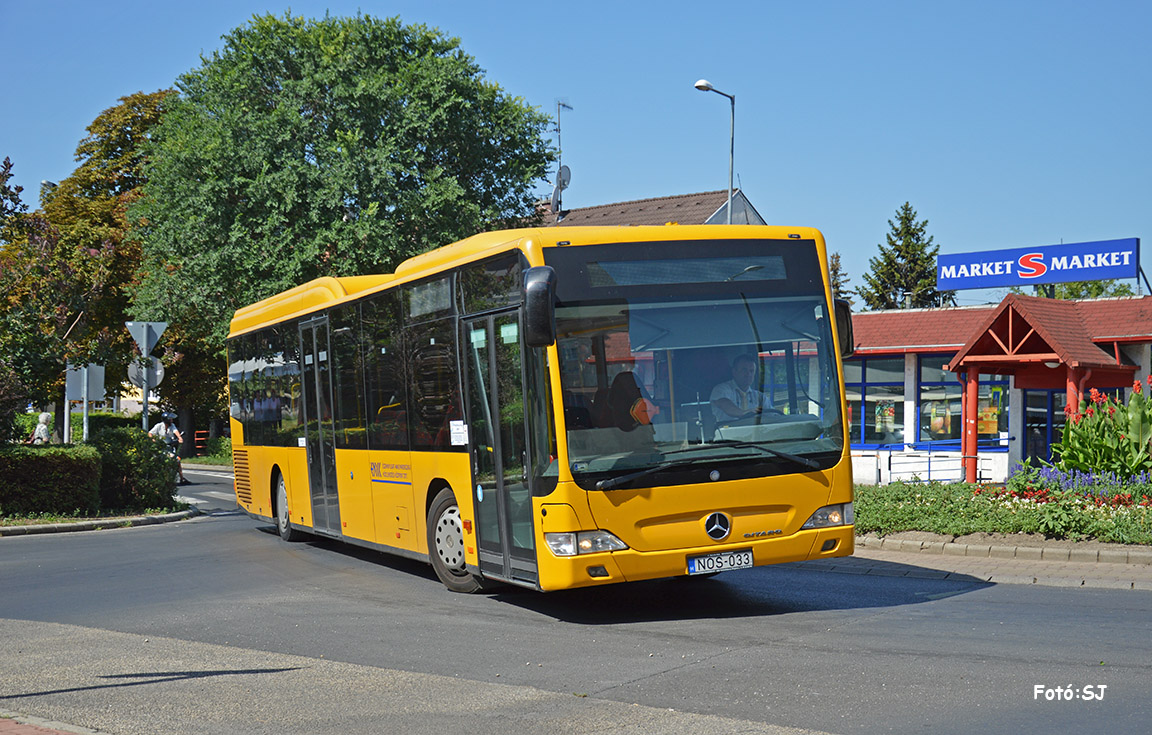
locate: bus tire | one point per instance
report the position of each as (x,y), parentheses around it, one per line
(283,519)
(446,543)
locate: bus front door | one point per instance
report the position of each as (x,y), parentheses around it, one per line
(501,475)
(319,429)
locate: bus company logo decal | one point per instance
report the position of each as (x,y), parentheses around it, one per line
(718,526)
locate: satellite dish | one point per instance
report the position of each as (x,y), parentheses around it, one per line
(563,177)
(155,372)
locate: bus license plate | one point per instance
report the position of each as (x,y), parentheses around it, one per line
(713,563)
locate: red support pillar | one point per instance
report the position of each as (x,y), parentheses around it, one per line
(1072,390)
(970,417)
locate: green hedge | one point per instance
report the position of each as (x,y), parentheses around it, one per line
(121,469)
(49,479)
(138,473)
(97,421)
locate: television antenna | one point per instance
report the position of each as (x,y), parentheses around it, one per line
(563,173)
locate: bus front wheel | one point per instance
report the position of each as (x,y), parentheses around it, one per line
(446,543)
(283,519)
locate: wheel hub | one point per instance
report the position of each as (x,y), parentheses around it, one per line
(450,539)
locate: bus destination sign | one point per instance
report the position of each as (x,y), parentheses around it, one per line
(1081,261)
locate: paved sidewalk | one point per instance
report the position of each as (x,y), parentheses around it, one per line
(1053,566)
(12,723)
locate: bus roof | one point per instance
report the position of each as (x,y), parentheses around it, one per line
(314,294)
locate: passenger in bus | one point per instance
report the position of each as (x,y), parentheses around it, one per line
(736,398)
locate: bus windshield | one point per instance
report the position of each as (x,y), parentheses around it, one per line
(690,368)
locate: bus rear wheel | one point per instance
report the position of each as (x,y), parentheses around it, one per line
(283,519)
(446,544)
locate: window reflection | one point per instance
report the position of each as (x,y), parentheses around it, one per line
(639,379)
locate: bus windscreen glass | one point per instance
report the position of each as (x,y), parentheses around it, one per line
(728,367)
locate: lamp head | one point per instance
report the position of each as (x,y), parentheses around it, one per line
(704,85)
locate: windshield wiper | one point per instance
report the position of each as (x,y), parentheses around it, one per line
(615,482)
(810,463)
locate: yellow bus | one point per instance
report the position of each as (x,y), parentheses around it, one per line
(555,407)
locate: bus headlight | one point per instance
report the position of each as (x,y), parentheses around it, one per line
(584,542)
(831,515)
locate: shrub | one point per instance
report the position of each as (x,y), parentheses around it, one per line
(1035,500)
(138,473)
(220,446)
(48,479)
(97,421)
(1104,435)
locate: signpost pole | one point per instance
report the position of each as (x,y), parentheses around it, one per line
(84,397)
(144,387)
(146,335)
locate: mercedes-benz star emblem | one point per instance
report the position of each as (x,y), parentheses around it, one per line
(718,526)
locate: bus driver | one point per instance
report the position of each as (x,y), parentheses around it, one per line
(736,398)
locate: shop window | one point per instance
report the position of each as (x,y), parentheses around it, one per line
(874,389)
(941,398)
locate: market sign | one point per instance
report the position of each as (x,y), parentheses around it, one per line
(1081,261)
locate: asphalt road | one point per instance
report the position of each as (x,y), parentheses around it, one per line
(217,626)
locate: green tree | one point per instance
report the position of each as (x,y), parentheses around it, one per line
(838,279)
(11,207)
(47,290)
(88,209)
(1082,290)
(306,148)
(904,273)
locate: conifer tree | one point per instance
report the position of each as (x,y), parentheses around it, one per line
(903,275)
(838,280)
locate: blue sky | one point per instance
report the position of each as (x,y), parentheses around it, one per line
(1005,124)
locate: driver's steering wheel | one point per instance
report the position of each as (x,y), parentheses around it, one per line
(749,419)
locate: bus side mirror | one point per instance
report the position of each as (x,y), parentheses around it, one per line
(844,327)
(539,306)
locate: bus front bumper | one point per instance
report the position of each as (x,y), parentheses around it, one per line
(630,565)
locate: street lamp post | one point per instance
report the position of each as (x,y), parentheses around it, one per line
(706,86)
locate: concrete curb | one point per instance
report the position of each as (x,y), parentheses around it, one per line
(1136,555)
(126,522)
(33,725)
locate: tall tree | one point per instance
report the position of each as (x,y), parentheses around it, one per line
(13,394)
(67,268)
(838,279)
(339,146)
(10,204)
(89,208)
(47,293)
(904,273)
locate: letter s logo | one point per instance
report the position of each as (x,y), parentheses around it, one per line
(1032,265)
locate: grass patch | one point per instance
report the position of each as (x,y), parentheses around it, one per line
(32,519)
(215,461)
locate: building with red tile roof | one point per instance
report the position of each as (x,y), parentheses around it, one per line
(707,208)
(985,387)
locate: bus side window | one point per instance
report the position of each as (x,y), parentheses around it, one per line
(435,399)
(387,373)
(348,388)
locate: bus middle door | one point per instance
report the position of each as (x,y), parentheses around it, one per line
(319,425)
(502,489)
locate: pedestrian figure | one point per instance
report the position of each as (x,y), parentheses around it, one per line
(41,434)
